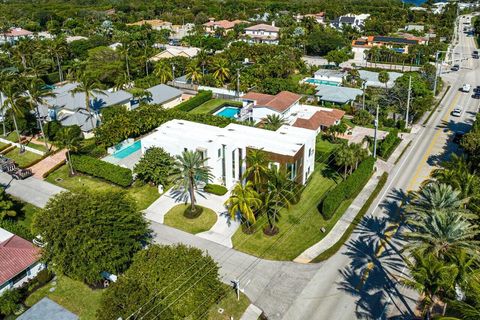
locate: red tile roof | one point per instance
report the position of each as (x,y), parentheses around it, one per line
(224,24)
(18,32)
(322,118)
(280,102)
(264,27)
(16,254)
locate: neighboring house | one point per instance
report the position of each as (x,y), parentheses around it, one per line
(225,25)
(19,261)
(415,27)
(47,309)
(337,95)
(261,104)
(355,21)
(371,78)
(398,44)
(318,17)
(178,32)
(289,148)
(155,24)
(316,118)
(423,9)
(14,35)
(45,35)
(262,33)
(175,51)
(329,76)
(167,96)
(71,39)
(115,45)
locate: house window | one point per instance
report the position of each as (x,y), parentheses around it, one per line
(220,152)
(291,171)
(274,166)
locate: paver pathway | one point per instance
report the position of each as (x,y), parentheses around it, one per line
(48,163)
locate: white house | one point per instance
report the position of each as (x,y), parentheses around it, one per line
(15,34)
(260,104)
(318,17)
(371,79)
(262,33)
(329,76)
(19,261)
(289,148)
(175,51)
(355,21)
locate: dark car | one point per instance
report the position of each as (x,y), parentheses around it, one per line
(458,137)
(455,67)
(475,54)
(476,95)
(476,89)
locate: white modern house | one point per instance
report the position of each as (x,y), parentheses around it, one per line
(356,21)
(259,105)
(289,148)
(19,261)
(262,33)
(329,76)
(371,79)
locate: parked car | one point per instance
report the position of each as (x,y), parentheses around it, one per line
(476,89)
(475,54)
(455,67)
(458,137)
(476,95)
(466,87)
(457,112)
(21,174)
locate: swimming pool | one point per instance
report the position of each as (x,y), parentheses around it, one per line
(228,112)
(317,81)
(125,152)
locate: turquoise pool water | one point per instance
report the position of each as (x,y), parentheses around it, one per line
(125,152)
(316,81)
(228,112)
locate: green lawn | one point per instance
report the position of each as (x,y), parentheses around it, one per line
(231,306)
(27,212)
(299,226)
(22,159)
(211,105)
(145,195)
(174,218)
(73,295)
(323,148)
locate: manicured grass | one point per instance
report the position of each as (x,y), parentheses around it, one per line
(323,148)
(145,195)
(22,159)
(231,306)
(211,105)
(299,227)
(12,136)
(73,295)
(175,218)
(27,212)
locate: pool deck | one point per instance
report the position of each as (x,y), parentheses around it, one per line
(128,162)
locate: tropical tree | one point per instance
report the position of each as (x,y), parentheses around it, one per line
(163,72)
(384,77)
(273,122)
(191,170)
(221,71)
(156,166)
(257,167)
(69,138)
(194,73)
(13,92)
(278,194)
(244,200)
(433,197)
(431,278)
(91,88)
(345,157)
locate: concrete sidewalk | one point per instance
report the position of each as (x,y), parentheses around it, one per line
(221,232)
(252,313)
(31,190)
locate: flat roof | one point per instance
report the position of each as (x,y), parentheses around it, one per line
(337,94)
(47,309)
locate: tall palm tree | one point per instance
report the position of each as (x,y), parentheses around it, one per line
(58,50)
(68,138)
(431,278)
(435,196)
(346,158)
(37,93)
(221,72)
(5,78)
(273,122)
(163,72)
(91,88)
(194,72)
(202,60)
(192,169)
(257,167)
(443,234)
(384,77)
(244,200)
(13,96)
(278,195)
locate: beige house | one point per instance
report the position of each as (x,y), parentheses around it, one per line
(156,24)
(175,51)
(226,25)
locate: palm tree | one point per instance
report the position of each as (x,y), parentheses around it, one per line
(384,77)
(221,72)
(278,194)
(346,158)
(68,138)
(36,96)
(431,278)
(244,200)
(163,72)
(58,50)
(193,72)
(202,60)
(13,95)
(273,122)
(433,197)
(192,169)
(5,78)
(90,87)
(442,233)
(257,167)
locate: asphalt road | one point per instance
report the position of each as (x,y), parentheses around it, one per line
(361,280)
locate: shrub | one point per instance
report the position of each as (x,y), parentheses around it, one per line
(18,229)
(155,166)
(101,169)
(388,144)
(8,145)
(9,301)
(44,276)
(215,189)
(52,169)
(362,118)
(192,103)
(348,188)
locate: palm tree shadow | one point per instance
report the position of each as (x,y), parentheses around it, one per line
(181,195)
(329,173)
(393,205)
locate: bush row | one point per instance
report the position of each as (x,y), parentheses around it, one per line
(192,103)
(18,229)
(8,145)
(54,168)
(101,169)
(388,145)
(215,189)
(348,188)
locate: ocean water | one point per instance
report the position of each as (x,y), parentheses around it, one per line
(415,2)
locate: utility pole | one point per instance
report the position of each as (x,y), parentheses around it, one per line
(436,74)
(173,74)
(408,100)
(364,85)
(238,82)
(375,135)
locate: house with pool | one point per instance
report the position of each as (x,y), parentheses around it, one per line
(289,148)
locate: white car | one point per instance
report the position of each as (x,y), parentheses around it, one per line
(457,112)
(466,87)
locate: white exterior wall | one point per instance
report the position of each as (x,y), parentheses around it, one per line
(359,54)
(32,272)
(172,103)
(260,113)
(271,34)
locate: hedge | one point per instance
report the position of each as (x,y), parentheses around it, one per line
(388,145)
(101,169)
(15,228)
(54,168)
(192,103)
(215,189)
(348,188)
(8,145)
(333,249)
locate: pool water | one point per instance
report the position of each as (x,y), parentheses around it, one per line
(125,152)
(228,112)
(317,81)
